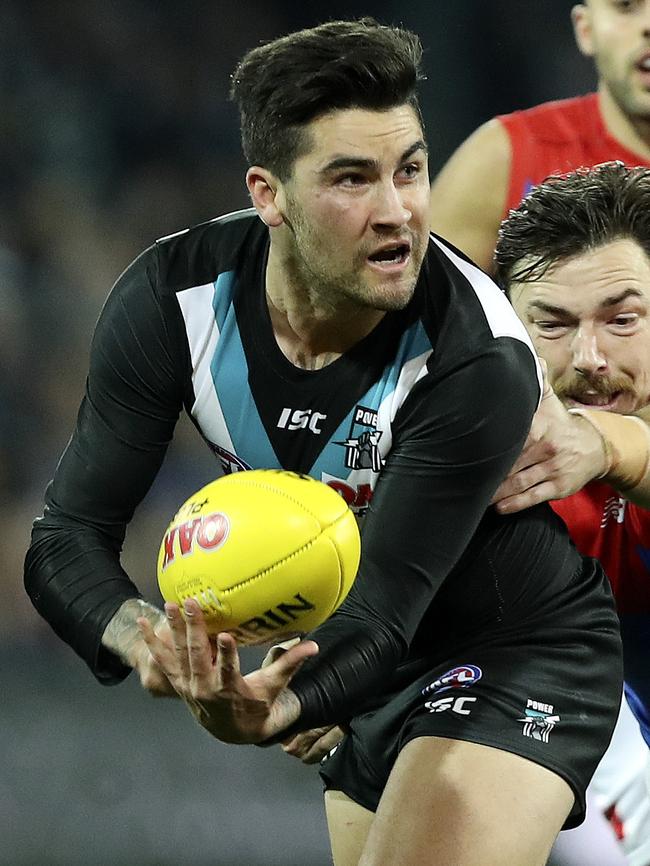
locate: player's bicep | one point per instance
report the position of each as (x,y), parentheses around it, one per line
(469,194)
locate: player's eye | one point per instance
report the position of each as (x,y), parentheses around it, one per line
(625,321)
(551,328)
(352,179)
(625,5)
(410,171)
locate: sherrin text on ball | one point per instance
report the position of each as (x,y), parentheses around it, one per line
(266,553)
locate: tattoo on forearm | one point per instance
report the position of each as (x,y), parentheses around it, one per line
(122,633)
(288,707)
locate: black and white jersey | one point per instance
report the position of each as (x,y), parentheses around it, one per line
(415,426)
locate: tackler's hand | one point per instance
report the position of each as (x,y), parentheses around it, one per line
(562,453)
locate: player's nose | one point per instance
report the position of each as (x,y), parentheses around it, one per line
(587,355)
(390,208)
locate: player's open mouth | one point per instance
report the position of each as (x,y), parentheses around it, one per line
(594,400)
(643,67)
(390,256)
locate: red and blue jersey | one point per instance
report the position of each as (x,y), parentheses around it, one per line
(608,527)
(557,137)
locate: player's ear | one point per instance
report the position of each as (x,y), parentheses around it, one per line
(582,29)
(263,187)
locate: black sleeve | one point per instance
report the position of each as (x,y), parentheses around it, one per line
(457,439)
(134,393)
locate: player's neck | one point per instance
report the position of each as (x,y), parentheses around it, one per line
(633,133)
(311,332)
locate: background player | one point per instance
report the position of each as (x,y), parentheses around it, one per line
(504,158)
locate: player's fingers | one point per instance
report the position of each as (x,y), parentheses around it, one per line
(312,746)
(523,480)
(227,663)
(199,648)
(320,748)
(179,638)
(289,662)
(533,496)
(163,655)
(276,651)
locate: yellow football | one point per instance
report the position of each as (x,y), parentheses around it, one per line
(266,553)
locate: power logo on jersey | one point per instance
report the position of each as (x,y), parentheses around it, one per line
(362,444)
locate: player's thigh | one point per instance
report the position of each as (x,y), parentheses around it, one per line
(452,801)
(348,824)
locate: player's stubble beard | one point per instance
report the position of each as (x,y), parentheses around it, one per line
(635,106)
(346,287)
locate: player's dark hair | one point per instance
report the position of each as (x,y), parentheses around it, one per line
(570,214)
(282,85)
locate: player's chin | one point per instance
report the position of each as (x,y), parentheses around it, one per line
(392,295)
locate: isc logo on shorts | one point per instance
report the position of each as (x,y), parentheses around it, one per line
(456,705)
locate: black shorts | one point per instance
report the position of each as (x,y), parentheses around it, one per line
(548,690)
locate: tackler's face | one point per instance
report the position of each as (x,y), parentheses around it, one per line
(589,318)
(356,206)
(616,33)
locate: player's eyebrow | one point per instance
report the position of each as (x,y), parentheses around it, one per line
(613,300)
(346,161)
(609,301)
(551,309)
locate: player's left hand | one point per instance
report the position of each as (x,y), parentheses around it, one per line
(312,746)
(563,452)
(206,674)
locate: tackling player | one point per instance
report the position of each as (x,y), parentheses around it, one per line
(490,173)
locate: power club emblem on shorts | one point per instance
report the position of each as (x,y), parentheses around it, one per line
(538,720)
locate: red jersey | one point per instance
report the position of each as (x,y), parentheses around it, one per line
(604,525)
(557,137)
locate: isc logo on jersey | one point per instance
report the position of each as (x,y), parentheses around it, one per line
(301,419)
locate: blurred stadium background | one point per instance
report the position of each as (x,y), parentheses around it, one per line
(115,129)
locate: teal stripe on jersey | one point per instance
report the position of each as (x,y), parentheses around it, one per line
(224,289)
(229,371)
(414,344)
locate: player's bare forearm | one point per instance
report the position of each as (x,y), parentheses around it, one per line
(626,442)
